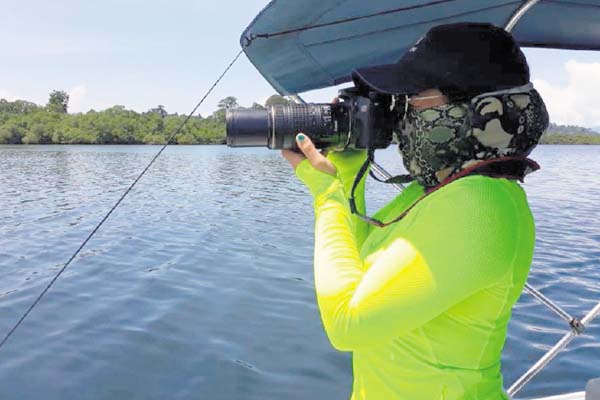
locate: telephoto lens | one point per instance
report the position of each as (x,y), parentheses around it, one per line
(276,126)
(247,127)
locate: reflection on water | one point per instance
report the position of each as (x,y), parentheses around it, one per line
(200,284)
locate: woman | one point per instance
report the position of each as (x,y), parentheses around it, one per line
(424,303)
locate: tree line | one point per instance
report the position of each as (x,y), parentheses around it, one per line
(562,138)
(24,122)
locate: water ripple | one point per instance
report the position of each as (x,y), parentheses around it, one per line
(201,282)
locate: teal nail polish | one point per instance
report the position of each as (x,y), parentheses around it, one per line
(301,137)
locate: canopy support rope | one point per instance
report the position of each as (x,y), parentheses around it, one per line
(108,214)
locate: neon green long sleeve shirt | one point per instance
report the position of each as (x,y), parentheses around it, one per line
(424,303)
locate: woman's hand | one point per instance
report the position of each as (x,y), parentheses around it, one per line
(310,152)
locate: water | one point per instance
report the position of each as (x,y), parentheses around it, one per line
(200,285)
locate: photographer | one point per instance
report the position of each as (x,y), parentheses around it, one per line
(424,303)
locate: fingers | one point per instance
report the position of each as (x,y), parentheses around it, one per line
(310,152)
(293,158)
(315,158)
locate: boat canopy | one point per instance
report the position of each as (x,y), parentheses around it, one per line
(309,44)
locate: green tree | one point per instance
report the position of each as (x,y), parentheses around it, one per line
(11,133)
(257,106)
(58,102)
(277,100)
(228,103)
(17,106)
(160,110)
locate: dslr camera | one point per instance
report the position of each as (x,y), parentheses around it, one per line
(360,120)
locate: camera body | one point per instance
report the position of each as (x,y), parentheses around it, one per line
(359,120)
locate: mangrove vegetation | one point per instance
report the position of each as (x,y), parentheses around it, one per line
(24,122)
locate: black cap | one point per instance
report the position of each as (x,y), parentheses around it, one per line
(466,57)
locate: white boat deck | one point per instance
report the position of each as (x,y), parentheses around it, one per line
(569,396)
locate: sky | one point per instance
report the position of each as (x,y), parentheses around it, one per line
(142,53)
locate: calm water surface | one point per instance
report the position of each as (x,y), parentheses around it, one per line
(200,285)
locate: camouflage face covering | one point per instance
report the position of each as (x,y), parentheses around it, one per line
(438,142)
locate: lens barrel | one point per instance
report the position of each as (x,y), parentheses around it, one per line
(248,128)
(315,120)
(277,126)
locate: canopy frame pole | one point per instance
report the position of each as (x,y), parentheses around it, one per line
(574,322)
(297,99)
(378,169)
(553,352)
(519,13)
(541,363)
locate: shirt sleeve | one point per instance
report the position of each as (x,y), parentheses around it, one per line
(347,164)
(453,249)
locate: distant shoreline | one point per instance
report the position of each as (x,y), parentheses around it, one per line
(24,122)
(215,144)
(562,138)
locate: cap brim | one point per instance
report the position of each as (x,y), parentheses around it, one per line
(398,78)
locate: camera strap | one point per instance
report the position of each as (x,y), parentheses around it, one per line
(396,179)
(511,167)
